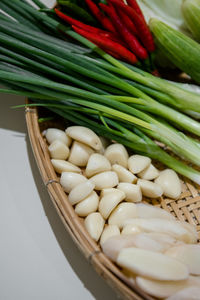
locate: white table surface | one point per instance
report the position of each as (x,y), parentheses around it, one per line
(38,259)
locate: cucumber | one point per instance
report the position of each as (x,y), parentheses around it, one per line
(181,50)
(191,14)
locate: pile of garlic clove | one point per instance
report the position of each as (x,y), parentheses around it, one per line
(106,186)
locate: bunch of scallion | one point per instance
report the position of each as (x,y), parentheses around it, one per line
(62,71)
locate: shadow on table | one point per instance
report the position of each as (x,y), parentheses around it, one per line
(91,280)
(11,114)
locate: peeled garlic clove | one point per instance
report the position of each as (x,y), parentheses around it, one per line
(170,227)
(88,205)
(150,189)
(190,293)
(94,224)
(115,244)
(109,202)
(69,180)
(145,241)
(64,166)
(132,191)
(123,174)
(167,240)
(151,264)
(149,173)
(137,163)
(84,135)
(163,289)
(58,150)
(80,192)
(97,163)
(105,180)
(117,154)
(53,134)
(79,154)
(193,232)
(121,213)
(187,254)
(170,183)
(130,229)
(163,241)
(107,191)
(150,211)
(108,232)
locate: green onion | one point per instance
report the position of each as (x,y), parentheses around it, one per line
(39,3)
(48,70)
(17,10)
(178,143)
(16,14)
(53,40)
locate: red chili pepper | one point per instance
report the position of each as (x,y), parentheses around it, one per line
(142,28)
(100,16)
(77,23)
(117,56)
(108,45)
(125,34)
(86,27)
(126,20)
(111,36)
(136,7)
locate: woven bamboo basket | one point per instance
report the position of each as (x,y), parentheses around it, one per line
(186,208)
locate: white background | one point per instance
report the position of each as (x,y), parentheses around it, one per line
(38,259)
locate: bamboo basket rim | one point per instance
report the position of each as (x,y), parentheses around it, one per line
(185,208)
